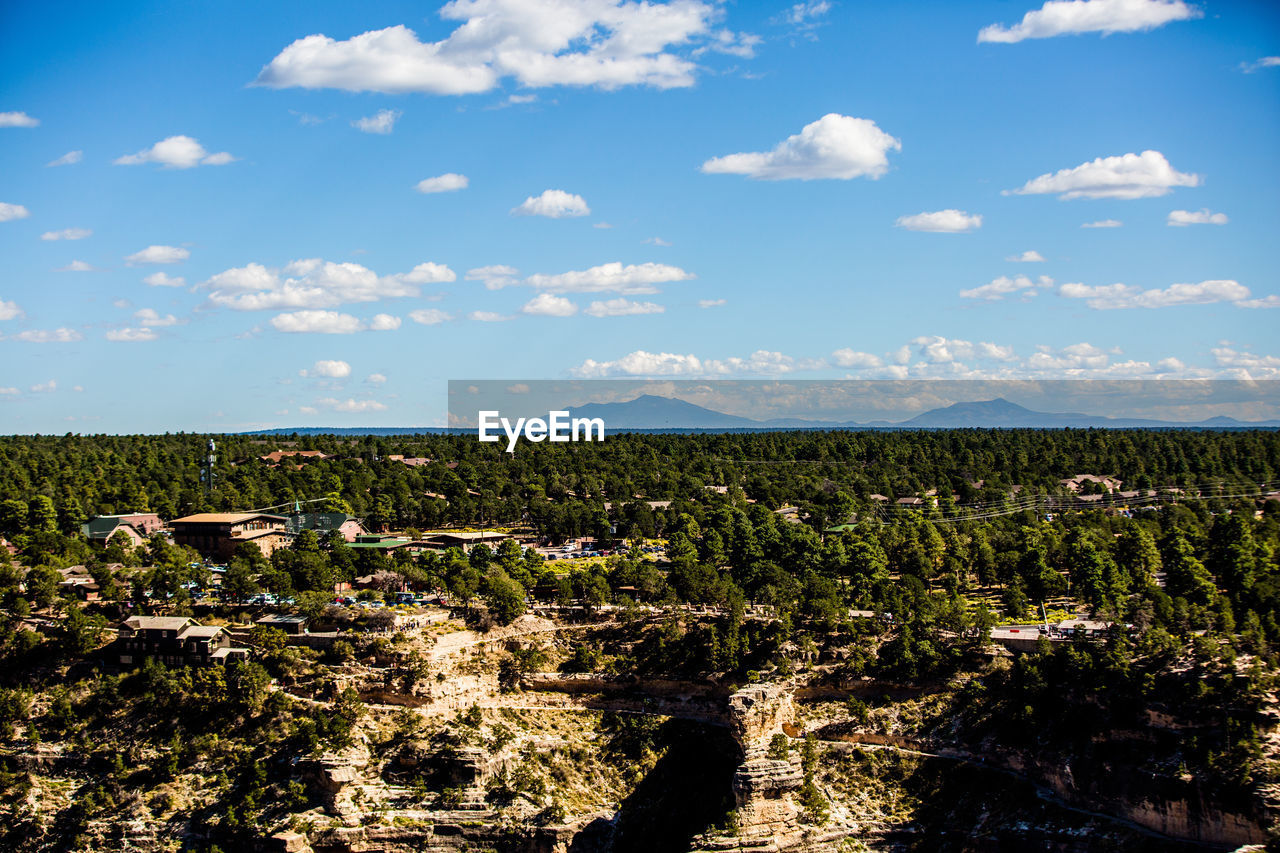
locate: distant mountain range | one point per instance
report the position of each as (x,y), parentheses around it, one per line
(649,412)
(652,412)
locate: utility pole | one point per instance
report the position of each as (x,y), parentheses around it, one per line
(206,467)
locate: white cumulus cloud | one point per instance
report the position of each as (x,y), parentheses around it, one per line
(426,273)
(430,316)
(1069,358)
(602,43)
(1112,296)
(131,335)
(9,310)
(10,212)
(163,279)
(176,152)
(950,221)
(549,305)
(333,369)
(937,349)
(158,255)
(1270,301)
(848,357)
(998,288)
(488,317)
(630,279)
(1203,216)
(318,322)
(711,303)
(495,276)
(1103,223)
(315,283)
(643,363)
(1072,17)
(18,120)
(1031,256)
(1128,176)
(61,335)
(555,204)
(76,266)
(152,317)
(835,146)
(446,183)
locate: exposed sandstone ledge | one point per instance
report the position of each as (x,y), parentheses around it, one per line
(767,818)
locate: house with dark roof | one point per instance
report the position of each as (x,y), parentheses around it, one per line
(384,542)
(466,540)
(138,526)
(289,623)
(174,641)
(324,523)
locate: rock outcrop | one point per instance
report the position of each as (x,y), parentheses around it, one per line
(767,818)
(337,775)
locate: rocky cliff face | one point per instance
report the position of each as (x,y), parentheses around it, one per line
(768,819)
(1178,808)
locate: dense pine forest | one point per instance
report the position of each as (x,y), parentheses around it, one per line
(1177,548)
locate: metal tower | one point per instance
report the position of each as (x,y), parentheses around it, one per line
(206,467)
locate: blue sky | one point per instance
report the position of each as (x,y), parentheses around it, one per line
(682,190)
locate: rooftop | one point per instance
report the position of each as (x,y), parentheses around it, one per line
(224,517)
(158,623)
(200,631)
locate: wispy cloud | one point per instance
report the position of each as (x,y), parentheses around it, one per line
(68,159)
(1263,62)
(158,255)
(382,122)
(447,183)
(67,234)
